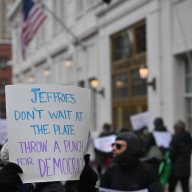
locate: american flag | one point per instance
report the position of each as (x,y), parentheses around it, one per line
(33,17)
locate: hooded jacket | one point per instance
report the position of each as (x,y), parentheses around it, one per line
(127,172)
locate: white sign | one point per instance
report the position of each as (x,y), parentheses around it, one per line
(140,120)
(162,138)
(103,144)
(48,127)
(3,131)
(111,190)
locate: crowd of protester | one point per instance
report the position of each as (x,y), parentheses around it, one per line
(164,166)
(136,162)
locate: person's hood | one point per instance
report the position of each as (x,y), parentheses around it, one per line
(132,153)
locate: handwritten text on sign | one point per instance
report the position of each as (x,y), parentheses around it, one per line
(48,129)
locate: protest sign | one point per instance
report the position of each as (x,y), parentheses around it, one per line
(3,131)
(140,120)
(103,144)
(48,127)
(162,138)
(112,190)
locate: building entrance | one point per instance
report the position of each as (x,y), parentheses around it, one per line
(129,92)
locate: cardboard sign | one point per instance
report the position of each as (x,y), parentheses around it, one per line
(111,190)
(162,138)
(140,120)
(103,144)
(3,131)
(48,127)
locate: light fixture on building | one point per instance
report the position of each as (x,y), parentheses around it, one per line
(31,79)
(94,83)
(68,63)
(119,84)
(46,72)
(143,73)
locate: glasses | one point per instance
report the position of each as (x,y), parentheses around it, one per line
(117,145)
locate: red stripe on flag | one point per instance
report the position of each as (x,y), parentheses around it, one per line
(31,25)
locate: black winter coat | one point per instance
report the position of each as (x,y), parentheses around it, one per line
(181,146)
(135,177)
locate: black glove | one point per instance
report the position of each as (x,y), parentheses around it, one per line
(88,178)
(9,177)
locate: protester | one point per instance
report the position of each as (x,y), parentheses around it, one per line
(180,150)
(5,160)
(158,126)
(10,180)
(150,148)
(127,172)
(103,159)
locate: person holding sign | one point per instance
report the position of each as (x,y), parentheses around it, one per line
(156,143)
(128,173)
(51,123)
(10,180)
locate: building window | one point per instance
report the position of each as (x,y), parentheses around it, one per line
(3,62)
(129,91)
(188,92)
(138,85)
(140,33)
(4,24)
(122,46)
(81,83)
(3,82)
(188,77)
(120,86)
(121,118)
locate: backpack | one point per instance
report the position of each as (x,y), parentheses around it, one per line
(165,169)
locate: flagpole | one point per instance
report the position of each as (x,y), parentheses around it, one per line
(79,42)
(65,27)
